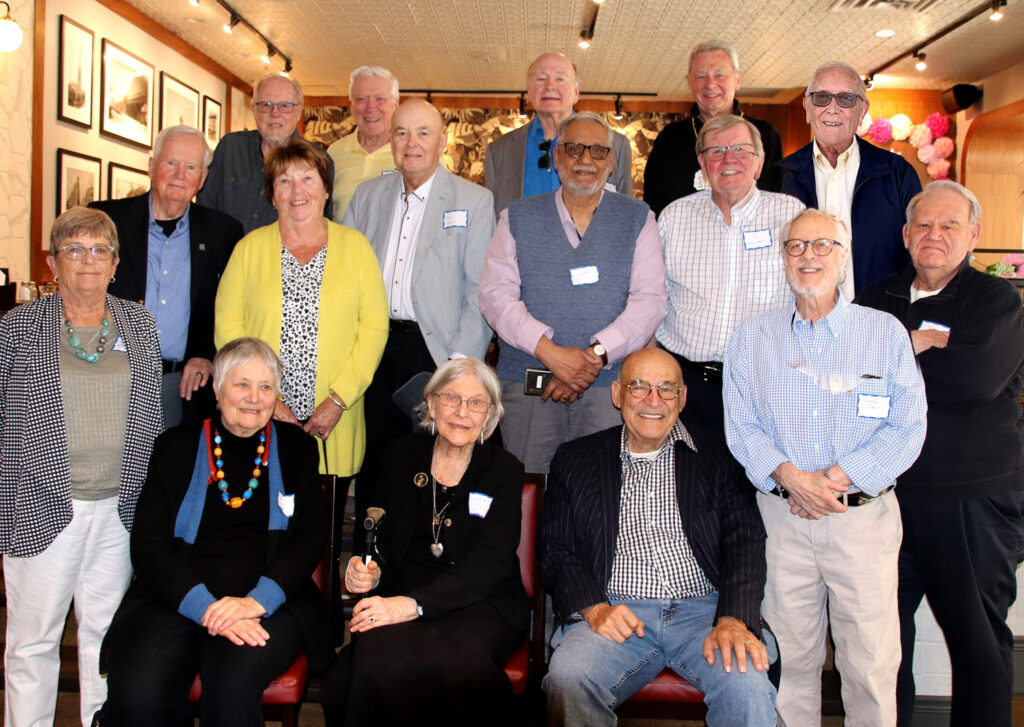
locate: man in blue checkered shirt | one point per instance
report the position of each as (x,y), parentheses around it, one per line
(825,407)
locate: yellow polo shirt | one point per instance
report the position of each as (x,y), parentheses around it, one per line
(353,165)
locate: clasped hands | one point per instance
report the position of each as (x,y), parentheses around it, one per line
(375,611)
(812,495)
(320,423)
(237,620)
(730,636)
(574,369)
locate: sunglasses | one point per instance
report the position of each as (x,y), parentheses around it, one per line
(821,99)
(545,154)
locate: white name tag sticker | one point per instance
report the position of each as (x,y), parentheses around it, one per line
(479,504)
(587,275)
(286,503)
(609,186)
(757,239)
(455,218)
(872,407)
(119,346)
(933,326)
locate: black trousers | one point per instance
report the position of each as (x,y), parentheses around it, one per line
(152,668)
(963,555)
(405,355)
(703,397)
(448,671)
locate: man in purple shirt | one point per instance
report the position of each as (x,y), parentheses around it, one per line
(573,281)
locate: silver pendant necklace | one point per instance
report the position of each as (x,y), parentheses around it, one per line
(437,547)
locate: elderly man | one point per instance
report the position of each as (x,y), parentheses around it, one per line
(673,169)
(961,501)
(373,98)
(235,183)
(574,281)
(722,254)
(864,186)
(172,255)
(519,164)
(430,230)
(825,407)
(653,553)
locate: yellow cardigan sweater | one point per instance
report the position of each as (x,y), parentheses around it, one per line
(352,324)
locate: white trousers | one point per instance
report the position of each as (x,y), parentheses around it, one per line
(88,562)
(846,562)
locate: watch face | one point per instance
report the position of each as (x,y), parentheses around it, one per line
(599,350)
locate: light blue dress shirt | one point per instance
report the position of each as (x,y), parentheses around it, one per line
(169,285)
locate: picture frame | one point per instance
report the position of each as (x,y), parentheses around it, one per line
(212,117)
(124,181)
(78,179)
(179,102)
(126,108)
(74,73)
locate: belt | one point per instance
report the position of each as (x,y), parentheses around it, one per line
(707,369)
(397,326)
(170,367)
(850,499)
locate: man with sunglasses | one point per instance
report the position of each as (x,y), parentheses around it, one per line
(825,408)
(520,163)
(722,254)
(573,281)
(235,181)
(866,187)
(652,550)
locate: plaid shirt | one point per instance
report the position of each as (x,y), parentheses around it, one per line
(653,558)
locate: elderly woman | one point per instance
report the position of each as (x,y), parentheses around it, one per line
(448,605)
(224,553)
(79,410)
(312,289)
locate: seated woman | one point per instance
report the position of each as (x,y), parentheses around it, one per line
(228,531)
(431,645)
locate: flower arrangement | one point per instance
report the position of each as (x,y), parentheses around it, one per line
(1011,266)
(929,138)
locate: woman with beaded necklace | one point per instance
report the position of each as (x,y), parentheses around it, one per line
(79,410)
(227,534)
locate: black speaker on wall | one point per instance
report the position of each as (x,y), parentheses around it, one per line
(960,97)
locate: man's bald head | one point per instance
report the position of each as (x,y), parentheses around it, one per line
(649,418)
(417,140)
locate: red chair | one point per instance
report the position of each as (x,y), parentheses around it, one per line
(522,666)
(283,698)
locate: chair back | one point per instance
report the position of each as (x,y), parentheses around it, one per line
(527,551)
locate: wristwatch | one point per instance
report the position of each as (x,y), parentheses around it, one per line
(600,351)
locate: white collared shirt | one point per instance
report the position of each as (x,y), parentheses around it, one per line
(834,188)
(405,231)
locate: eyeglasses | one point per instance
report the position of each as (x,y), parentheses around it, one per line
(77,252)
(265,107)
(822,246)
(667,390)
(453,401)
(821,99)
(575,150)
(739,151)
(545,154)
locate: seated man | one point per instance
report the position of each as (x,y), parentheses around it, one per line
(653,553)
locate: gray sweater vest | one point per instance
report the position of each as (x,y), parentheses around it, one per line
(546,261)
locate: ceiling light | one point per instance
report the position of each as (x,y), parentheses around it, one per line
(618,107)
(287,67)
(920,65)
(228,26)
(598,2)
(194,3)
(522,105)
(869,82)
(271,52)
(585,37)
(885,33)
(997,9)
(10,34)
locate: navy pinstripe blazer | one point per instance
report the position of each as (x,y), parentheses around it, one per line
(580,523)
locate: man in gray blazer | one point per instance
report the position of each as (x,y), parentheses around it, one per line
(430,230)
(520,163)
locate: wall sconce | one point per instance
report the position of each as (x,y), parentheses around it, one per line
(10,34)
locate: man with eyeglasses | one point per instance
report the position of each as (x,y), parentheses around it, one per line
(722,254)
(573,281)
(961,502)
(673,169)
(173,252)
(520,163)
(235,182)
(864,186)
(652,550)
(825,408)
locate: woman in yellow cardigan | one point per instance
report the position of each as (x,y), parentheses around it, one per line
(313,290)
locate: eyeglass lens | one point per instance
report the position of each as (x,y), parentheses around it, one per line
(822,99)
(667,390)
(575,150)
(821,246)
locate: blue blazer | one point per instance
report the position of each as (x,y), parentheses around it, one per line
(884,186)
(580,523)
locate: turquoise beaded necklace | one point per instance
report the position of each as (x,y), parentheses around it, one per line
(254,482)
(76,343)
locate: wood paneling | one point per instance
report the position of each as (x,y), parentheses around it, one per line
(993,160)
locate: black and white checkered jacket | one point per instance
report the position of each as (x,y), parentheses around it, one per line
(35,480)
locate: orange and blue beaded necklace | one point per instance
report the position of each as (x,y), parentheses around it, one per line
(217,466)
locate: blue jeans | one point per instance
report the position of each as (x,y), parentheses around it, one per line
(590,675)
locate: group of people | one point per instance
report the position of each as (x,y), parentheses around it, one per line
(723,382)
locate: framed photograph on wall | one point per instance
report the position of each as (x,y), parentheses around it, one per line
(126,108)
(125,181)
(74,73)
(78,179)
(179,103)
(211,121)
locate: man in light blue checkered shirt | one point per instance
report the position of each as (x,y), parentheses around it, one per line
(825,407)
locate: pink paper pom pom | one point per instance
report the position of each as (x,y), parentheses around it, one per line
(938,123)
(943,146)
(880,131)
(927,154)
(939,169)
(920,136)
